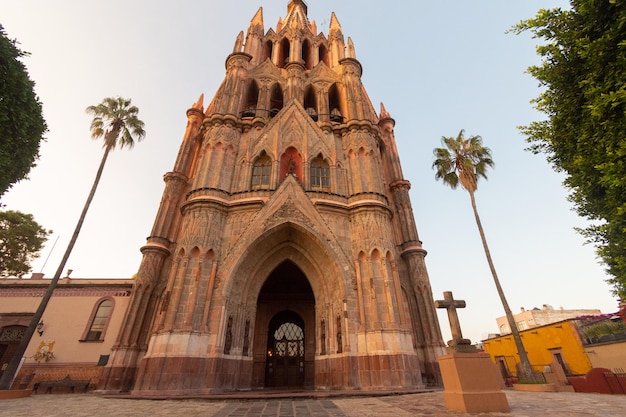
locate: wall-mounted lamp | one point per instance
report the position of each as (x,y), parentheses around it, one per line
(40,328)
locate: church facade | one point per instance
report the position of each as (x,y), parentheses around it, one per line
(284,253)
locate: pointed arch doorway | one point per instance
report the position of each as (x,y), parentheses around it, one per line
(286,329)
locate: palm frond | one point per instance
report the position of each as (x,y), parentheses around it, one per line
(462,160)
(116,119)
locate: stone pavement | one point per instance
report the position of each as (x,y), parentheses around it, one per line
(523,404)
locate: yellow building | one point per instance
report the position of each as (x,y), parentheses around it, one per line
(77,330)
(578,345)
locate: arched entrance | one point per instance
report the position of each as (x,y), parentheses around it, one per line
(10,337)
(286,323)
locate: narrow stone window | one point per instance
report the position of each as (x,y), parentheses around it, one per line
(284,52)
(306,55)
(251,98)
(310,103)
(276,100)
(334,104)
(267,50)
(323,54)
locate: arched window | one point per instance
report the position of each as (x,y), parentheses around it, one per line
(320,173)
(334,104)
(306,54)
(310,103)
(323,54)
(250,103)
(283,58)
(261,172)
(267,50)
(99,321)
(276,100)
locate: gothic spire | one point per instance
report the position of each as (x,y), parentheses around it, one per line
(257,20)
(297,3)
(199,105)
(384,114)
(334,23)
(296,15)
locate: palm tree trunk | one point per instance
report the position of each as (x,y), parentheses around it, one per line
(9,374)
(526,370)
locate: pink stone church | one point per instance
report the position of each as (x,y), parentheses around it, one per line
(285,252)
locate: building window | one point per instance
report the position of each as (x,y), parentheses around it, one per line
(320,173)
(261,172)
(99,321)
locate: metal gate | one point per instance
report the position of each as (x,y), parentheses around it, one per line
(285,356)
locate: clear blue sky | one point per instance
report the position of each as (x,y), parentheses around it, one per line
(438,66)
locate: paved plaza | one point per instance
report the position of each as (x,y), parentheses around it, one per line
(523,404)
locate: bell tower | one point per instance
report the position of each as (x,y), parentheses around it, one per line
(284,252)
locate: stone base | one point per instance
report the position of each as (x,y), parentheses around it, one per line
(536,387)
(14,393)
(472,383)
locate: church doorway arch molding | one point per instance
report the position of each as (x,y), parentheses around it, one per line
(322,281)
(287,241)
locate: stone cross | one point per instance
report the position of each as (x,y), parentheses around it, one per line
(450,304)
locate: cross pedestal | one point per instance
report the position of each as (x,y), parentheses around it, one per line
(472,383)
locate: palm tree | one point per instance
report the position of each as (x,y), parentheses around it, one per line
(115,120)
(464,160)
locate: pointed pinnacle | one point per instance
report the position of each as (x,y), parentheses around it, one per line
(199,104)
(334,23)
(257,20)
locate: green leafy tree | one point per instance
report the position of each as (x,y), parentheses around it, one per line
(462,161)
(22,125)
(116,121)
(21,239)
(583,71)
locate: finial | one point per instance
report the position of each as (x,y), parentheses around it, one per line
(350,49)
(257,20)
(385,116)
(199,104)
(238,43)
(334,23)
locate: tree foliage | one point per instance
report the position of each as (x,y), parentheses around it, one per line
(21,239)
(22,125)
(462,160)
(583,70)
(116,120)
